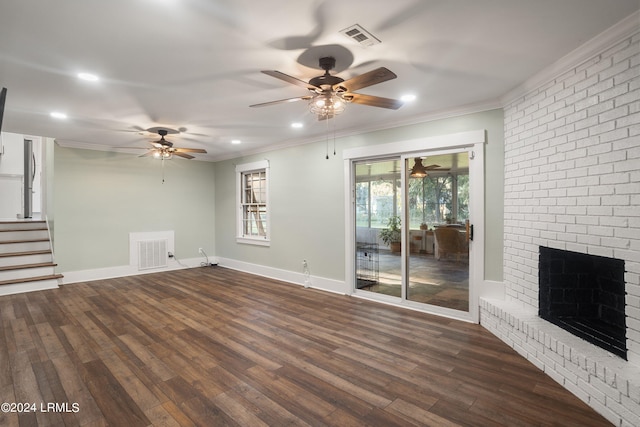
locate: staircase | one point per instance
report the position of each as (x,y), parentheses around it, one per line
(26,258)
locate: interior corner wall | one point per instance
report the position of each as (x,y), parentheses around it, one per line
(307,198)
(49,155)
(101,196)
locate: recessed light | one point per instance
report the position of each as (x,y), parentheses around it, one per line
(236,141)
(296,125)
(408,97)
(58,115)
(88,77)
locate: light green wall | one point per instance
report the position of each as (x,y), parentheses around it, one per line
(307,214)
(99,197)
(307,198)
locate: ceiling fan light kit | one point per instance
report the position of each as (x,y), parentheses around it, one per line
(162,154)
(418,170)
(326,105)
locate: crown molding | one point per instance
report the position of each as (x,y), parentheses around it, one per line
(600,43)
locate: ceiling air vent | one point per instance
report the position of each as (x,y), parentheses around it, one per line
(360,35)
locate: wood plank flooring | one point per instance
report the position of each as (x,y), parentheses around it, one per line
(214,347)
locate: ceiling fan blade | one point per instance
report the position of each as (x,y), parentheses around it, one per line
(436,168)
(289,79)
(373,101)
(282,101)
(186,156)
(190,150)
(370,78)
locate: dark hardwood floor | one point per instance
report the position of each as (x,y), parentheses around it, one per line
(213,347)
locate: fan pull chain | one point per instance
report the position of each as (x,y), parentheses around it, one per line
(328,130)
(334,138)
(162,170)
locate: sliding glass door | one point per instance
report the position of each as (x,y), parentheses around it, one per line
(437,200)
(412,230)
(378,209)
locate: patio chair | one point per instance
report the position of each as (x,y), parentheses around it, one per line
(449,241)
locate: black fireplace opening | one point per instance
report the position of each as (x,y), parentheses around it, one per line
(585,295)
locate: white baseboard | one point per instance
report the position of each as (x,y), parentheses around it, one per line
(316,282)
(123,270)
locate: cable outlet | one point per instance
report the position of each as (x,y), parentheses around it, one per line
(170,255)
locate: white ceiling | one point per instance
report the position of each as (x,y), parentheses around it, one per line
(195,65)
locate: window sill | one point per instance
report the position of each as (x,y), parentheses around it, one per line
(250,241)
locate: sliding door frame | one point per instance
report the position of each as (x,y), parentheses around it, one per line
(472,141)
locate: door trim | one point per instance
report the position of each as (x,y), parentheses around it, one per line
(474,141)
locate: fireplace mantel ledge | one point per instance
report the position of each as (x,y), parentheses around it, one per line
(596,376)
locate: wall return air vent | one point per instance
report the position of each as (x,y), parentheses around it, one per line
(150,250)
(360,35)
(152,254)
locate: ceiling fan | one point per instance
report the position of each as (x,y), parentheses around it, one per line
(163,149)
(330,93)
(420,171)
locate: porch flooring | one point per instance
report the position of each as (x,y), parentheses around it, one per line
(444,283)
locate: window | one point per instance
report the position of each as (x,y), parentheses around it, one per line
(252,190)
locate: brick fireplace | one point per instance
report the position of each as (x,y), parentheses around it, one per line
(572,183)
(584,295)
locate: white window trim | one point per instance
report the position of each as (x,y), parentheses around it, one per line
(240,169)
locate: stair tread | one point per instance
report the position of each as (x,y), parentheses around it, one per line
(23,241)
(22,227)
(5,230)
(24,222)
(31,279)
(25,253)
(25,266)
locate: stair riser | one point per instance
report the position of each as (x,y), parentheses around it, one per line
(22,225)
(19,288)
(9,236)
(24,246)
(25,259)
(25,273)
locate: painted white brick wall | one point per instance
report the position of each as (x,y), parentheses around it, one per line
(572,181)
(572,174)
